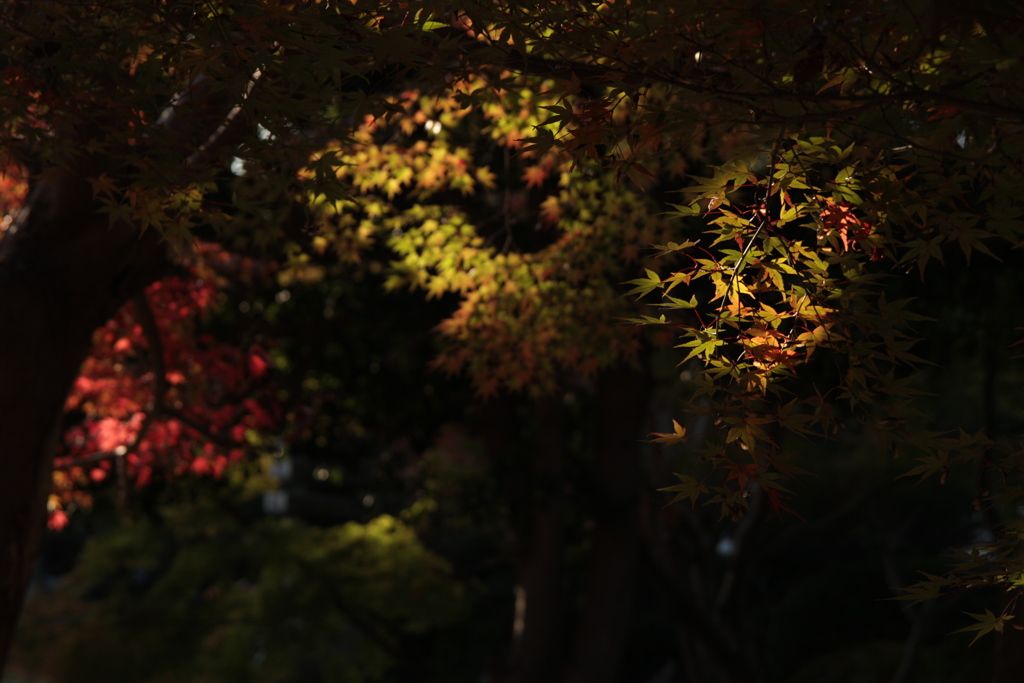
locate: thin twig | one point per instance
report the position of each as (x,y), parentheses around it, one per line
(198,427)
(226,123)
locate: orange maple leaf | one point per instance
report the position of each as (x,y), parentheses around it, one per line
(535,176)
(842,226)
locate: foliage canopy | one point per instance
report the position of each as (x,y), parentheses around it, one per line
(767,179)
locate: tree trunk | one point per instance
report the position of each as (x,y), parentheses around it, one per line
(623,403)
(63,272)
(536,627)
(533,484)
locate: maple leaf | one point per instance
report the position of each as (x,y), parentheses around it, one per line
(678,436)
(257,365)
(688,487)
(987,623)
(58,519)
(776,499)
(551,210)
(839,221)
(535,176)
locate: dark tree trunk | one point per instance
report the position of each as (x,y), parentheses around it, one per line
(539,505)
(531,485)
(63,272)
(623,403)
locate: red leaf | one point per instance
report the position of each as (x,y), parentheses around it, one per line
(58,520)
(200,466)
(257,366)
(775,499)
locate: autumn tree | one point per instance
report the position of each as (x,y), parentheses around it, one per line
(808,155)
